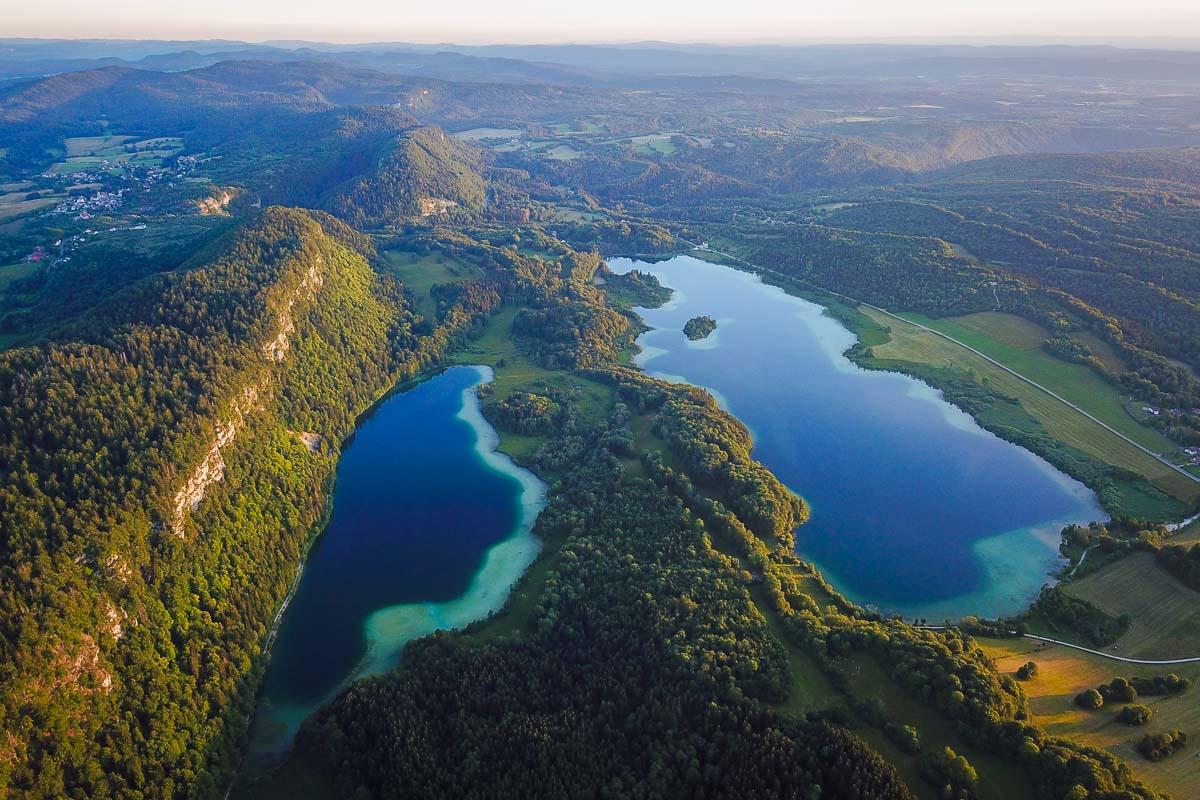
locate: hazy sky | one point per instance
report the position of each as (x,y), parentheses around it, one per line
(472,21)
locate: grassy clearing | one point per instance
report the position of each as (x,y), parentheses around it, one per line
(496,347)
(1165,613)
(1063,673)
(478,134)
(810,690)
(1190,534)
(997,780)
(1077,383)
(517,614)
(15,272)
(420,273)
(20,209)
(571,214)
(86,145)
(1111,360)
(654,144)
(1017,346)
(563,152)
(1007,329)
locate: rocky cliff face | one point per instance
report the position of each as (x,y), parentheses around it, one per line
(211,468)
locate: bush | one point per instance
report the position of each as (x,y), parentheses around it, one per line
(1135,715)
(1120,690)
(1157,746)
(951,774)
(1027,671)
(905,737)
(1159,684)
(1090,699)
(872,711)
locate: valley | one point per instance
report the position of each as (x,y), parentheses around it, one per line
(633,421)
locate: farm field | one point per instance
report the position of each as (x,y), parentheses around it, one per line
(1016,342)
(911,344)
(1165,613)
(110,152)
(1063,673)
(22,207)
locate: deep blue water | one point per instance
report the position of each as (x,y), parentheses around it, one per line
(914,507)
(429,529)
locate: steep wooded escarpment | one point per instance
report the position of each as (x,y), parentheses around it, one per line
(154,502)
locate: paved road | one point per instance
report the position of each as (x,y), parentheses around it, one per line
(985,357)
(1101,653)
(1037,385)
(1115,658)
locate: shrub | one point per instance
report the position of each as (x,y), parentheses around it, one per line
(951,774)
(1089,699)
(1159,684)
(1135,715)
(1119,691)
(1157,746)
(905,737)
(1027,671)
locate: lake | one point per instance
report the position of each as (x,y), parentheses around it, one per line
(915,508)
(430,529)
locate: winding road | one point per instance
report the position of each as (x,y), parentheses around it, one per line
(1101,653)
(1151,661)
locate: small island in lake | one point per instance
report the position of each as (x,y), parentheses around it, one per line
(699,327)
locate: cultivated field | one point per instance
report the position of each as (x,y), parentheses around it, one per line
(111,152)
(1073,381)
(20,208)
(1063,673)
(1165,613)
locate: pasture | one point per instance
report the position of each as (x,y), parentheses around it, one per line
(420,273)
(1165,613)
(13,272)
(1076,382)
(1016,343)
(108,153)
(1064,673)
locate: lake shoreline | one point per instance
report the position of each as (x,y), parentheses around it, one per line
(500,567)
(1007,581)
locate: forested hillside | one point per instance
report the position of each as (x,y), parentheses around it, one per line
(422,173)
(157,497)
(655,657)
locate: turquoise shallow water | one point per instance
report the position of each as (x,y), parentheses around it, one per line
(915,508)
(430,529)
